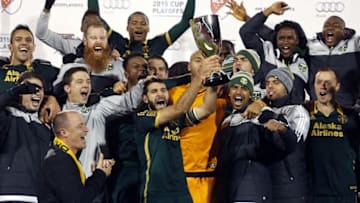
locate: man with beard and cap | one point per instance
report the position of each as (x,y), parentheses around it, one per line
(138,28)
(248,147)
(24,139)
(284,48)
(337,47)
(22,46)
(107,74)
(332,144)
(162,175)
(289,176)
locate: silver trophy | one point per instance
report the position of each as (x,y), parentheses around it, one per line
(206,32)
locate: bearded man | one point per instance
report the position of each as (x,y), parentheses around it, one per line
(107,74)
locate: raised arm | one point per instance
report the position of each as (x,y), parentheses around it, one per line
(185,101)
(177,30)
(51,38)
(121,104)
(239,12)
(94,5)
(209,105)
(11,94)
(250,32)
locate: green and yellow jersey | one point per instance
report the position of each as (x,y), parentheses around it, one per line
(9,74)
(332,145)
(162,172)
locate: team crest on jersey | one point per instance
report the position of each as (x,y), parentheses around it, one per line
(256,95)
(303,67)
(109,67)
(84,109)
(343,48)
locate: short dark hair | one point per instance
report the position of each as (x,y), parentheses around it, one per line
(137,13)
(67,78)
(338,18)
(179,68)
(229,45)
(149,82)
(30,74)
(20,27)
(128,58)
(88,13)
(160,58)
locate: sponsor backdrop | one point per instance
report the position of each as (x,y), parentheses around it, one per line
(66,16)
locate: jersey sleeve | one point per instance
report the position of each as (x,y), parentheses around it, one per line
(146,120)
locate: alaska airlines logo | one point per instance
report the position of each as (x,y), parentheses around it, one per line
(10,6)
(173,135)
(12,76)
(217,4)
(332,129)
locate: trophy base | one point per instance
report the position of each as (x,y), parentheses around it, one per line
(217,78)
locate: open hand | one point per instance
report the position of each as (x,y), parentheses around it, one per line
(237,10)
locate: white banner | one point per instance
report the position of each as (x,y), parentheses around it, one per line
(163,14)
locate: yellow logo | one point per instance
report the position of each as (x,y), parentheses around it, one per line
(321,129)
(12,76)
(173,135)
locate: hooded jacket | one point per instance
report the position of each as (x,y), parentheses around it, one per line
(251,35)
(289,175)
(247,151)
(24,141)
(343,58)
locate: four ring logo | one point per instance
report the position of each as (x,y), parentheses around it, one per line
(116,4)
(10,6)
(330,6)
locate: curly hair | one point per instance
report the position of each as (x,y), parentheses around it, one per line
(299,32)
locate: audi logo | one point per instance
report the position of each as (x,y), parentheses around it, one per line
(330,7)
(116,4)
